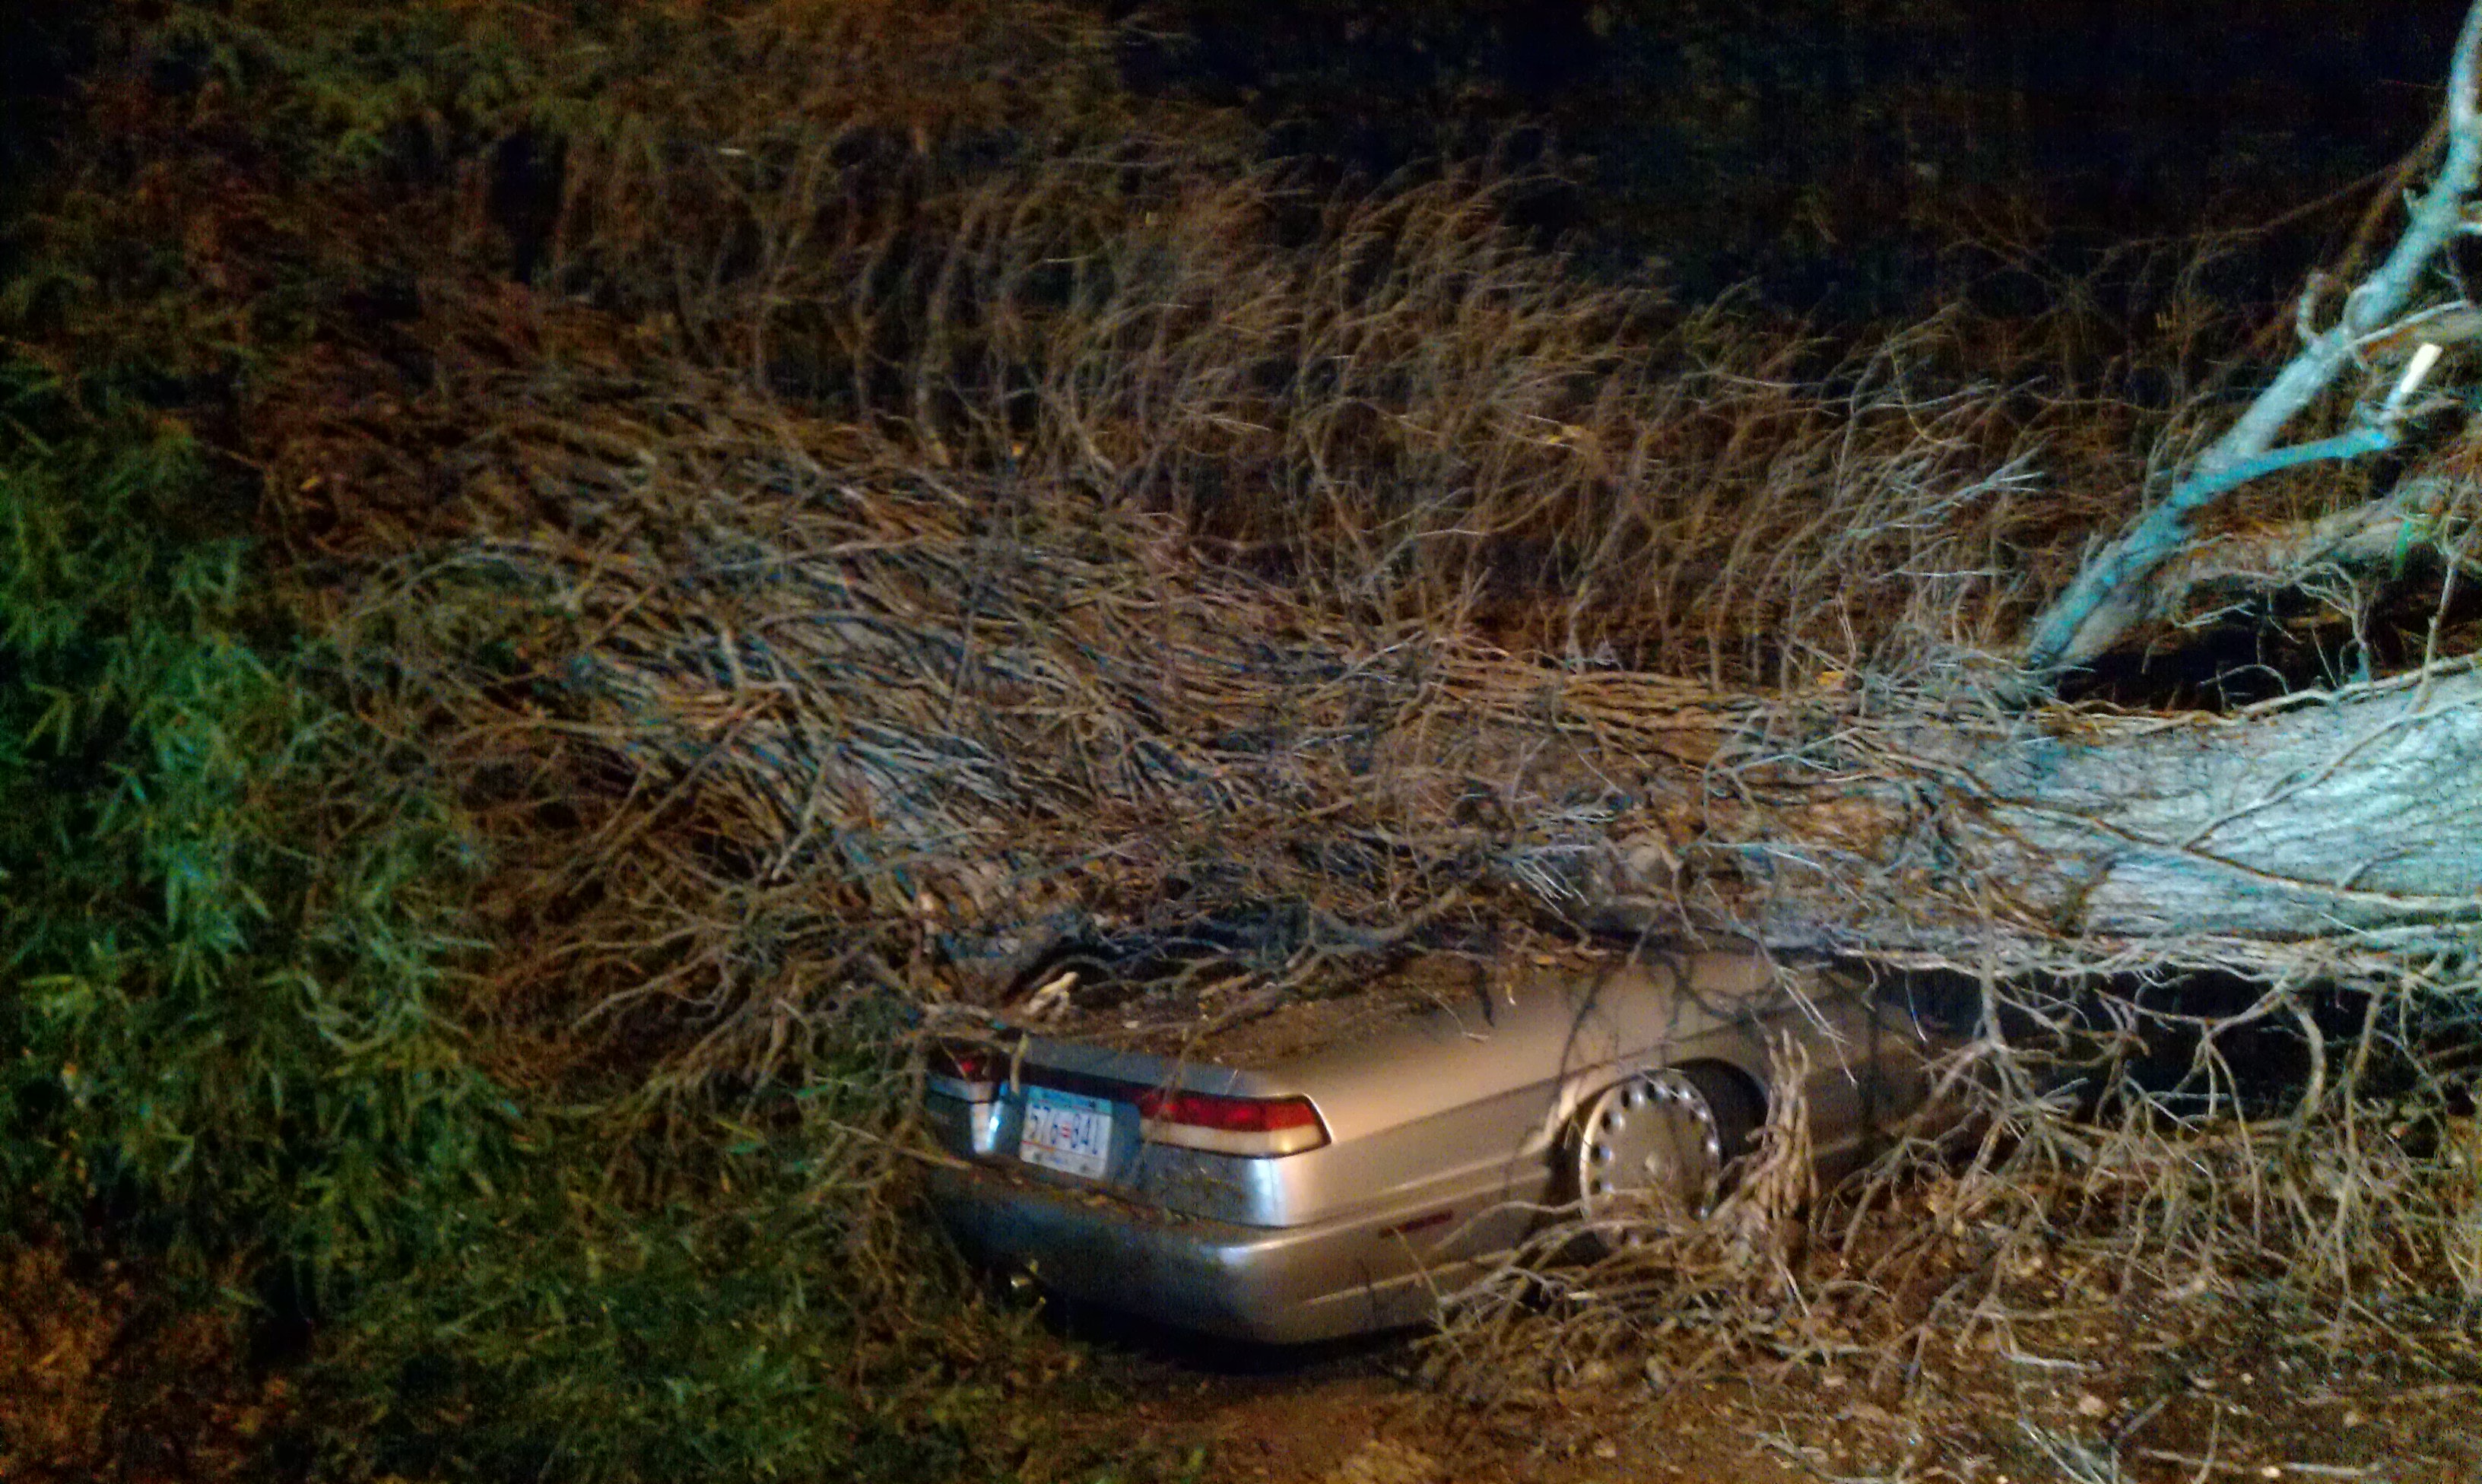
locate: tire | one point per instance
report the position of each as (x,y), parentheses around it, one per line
(1657,1141)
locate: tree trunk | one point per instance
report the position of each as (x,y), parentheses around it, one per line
(2294,831)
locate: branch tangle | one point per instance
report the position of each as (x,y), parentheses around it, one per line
(2109,593)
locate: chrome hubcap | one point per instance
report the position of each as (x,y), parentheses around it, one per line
(1649,1141)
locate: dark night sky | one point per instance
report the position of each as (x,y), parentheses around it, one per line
(1831,144)
(1832,150)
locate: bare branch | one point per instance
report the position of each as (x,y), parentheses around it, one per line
(2108,595)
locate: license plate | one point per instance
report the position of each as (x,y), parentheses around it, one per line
(1065,1131)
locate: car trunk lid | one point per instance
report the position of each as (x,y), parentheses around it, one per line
(1191,1136)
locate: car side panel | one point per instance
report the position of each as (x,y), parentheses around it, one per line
(1543,1029)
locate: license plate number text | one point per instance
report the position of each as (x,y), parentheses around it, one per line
(1065,1132)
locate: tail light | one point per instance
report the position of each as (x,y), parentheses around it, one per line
(1230,1125)
(968,1074)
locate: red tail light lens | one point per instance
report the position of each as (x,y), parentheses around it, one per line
(970,1074)
(1230,1125)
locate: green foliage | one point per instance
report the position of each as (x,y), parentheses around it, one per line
(220,963)
(713,1334)
(230,909)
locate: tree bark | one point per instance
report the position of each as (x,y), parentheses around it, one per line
(2360,817)
(2322,824)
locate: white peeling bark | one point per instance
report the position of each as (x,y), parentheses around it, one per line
(2359,817)
(2349,824)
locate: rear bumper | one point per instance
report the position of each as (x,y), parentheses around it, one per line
(1277,1285)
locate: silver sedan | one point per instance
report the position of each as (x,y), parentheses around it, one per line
(1345,1187)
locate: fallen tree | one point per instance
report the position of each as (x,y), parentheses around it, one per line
(881,548)
(763,657)
(1549,603)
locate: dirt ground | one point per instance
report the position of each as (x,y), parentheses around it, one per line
(2090,1396)
(1358,1414)
(1361,1414)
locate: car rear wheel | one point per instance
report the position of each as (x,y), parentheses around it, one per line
(1659,1142)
